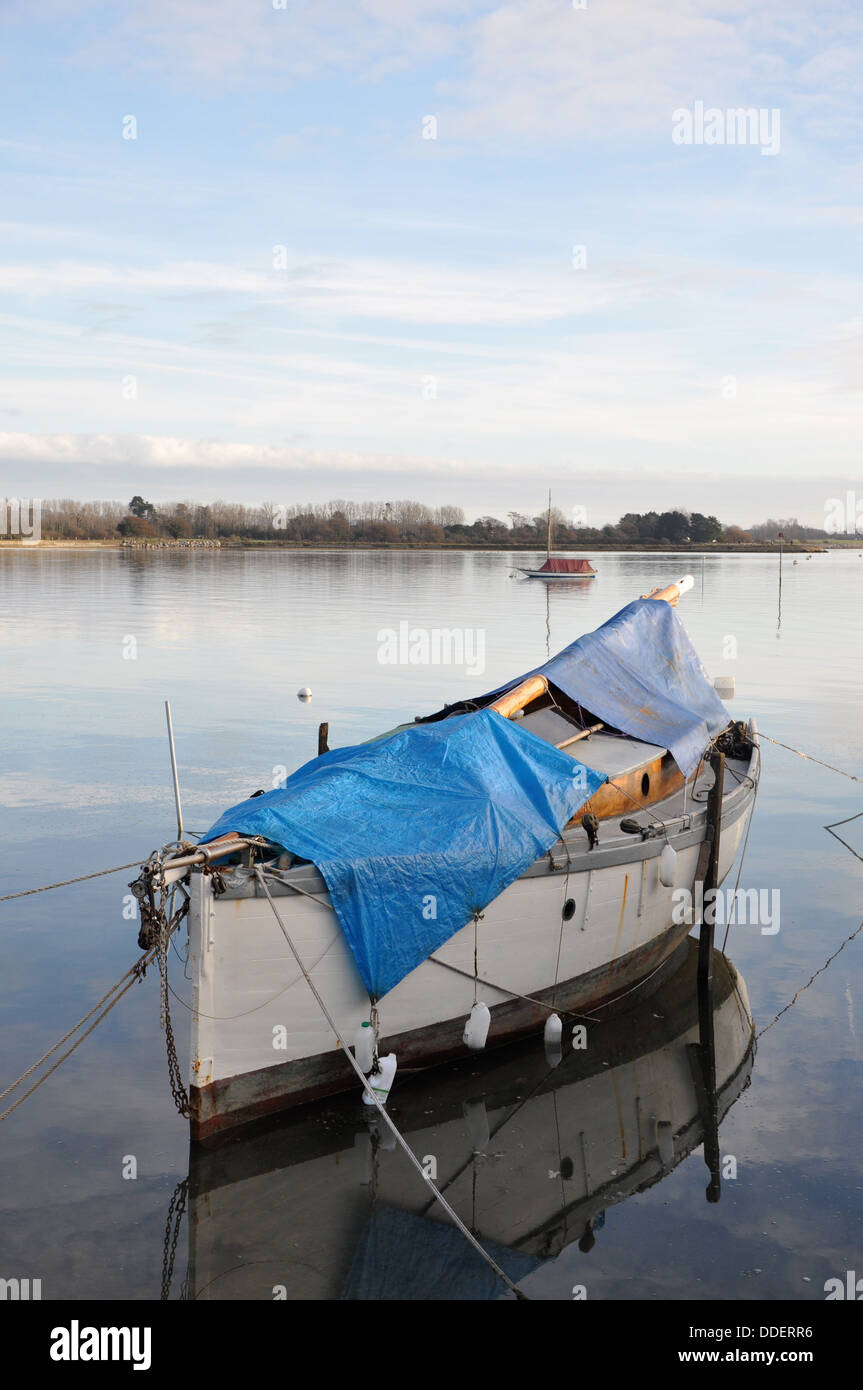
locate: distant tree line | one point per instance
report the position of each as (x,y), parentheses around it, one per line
(404,521)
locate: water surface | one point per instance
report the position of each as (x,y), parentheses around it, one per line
(93,643)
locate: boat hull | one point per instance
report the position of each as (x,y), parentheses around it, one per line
(299,1202)
(599,922)
(545,574)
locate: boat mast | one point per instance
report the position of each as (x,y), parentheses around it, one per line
(548,529)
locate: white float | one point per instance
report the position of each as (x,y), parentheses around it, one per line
(477,1026)
(381,1081)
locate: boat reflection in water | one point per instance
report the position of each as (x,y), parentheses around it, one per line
(530,1149)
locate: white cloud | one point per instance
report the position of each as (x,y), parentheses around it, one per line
(172,453)
(360,288)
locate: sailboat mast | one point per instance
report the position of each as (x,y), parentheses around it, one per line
(548,529)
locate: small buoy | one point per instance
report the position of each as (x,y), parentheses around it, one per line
(667,866)
(477,1124)
(381,1081)
(553,1030)
(724,687)
(304,694)
(795,562)
(552,1037)
(364,1047)
(477,1026)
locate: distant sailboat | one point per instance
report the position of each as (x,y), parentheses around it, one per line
(557,566)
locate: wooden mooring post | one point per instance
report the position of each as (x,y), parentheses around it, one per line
(323,736)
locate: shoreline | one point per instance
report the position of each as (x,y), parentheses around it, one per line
(815,547)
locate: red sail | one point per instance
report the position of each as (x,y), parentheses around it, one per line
(564,566)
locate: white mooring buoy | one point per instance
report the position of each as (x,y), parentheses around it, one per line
(668,866)
(364,1047)
(304,694)
(381,1081)
(477,1026)
(552,1037)
(553,1030)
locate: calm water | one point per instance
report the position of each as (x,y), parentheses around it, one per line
(92,644)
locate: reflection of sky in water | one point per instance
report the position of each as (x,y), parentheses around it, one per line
(230,638)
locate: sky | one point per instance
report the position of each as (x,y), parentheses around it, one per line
(460,252)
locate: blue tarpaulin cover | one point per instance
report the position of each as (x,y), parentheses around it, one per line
(404,1258)
(640,673)
(416,832)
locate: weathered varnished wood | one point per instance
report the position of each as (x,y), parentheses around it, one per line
(626,795)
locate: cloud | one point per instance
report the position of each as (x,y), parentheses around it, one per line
(359,288)
(172,454)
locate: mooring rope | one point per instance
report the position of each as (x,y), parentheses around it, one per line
(46,888)
(135,972)
(809,758)
(812,978)
(381,1109)
(831,830)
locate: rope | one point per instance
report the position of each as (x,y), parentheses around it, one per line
(554,1008)
(100,873)
(381,1110)
(831,830)
(811,979)
(140,965)
(809,758)
(52,1050)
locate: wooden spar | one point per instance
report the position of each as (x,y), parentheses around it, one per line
(673,592)
(585,733)
(521,695)
(215,850)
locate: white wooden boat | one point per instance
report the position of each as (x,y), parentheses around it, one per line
(586,921)
(532,1153)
